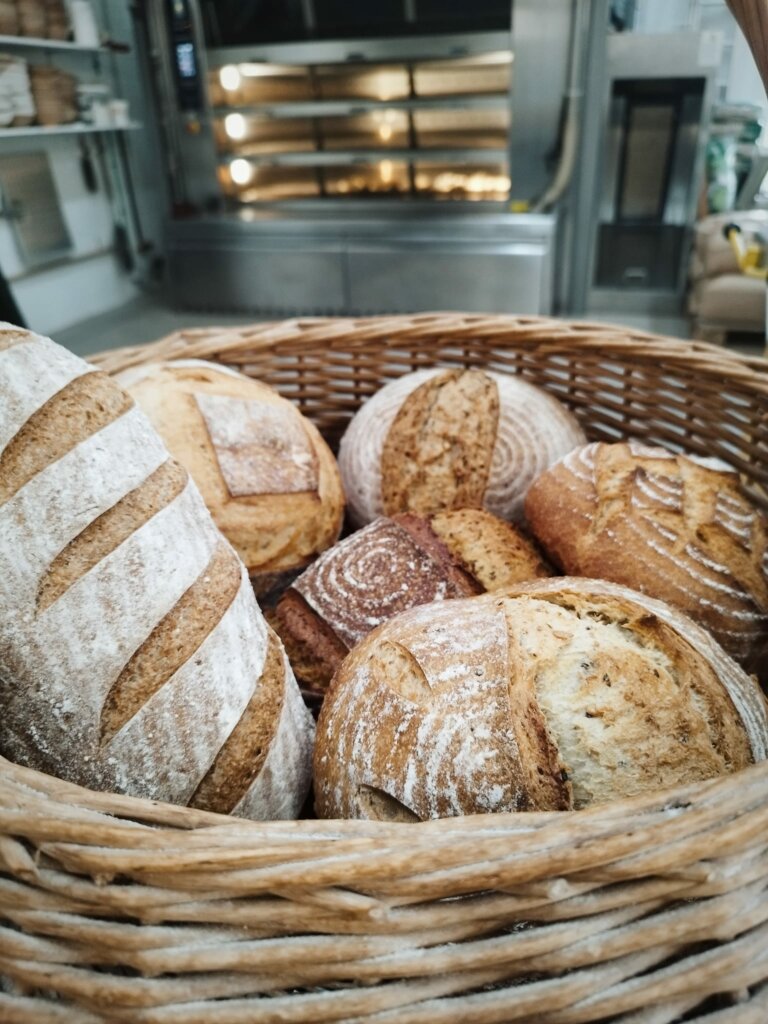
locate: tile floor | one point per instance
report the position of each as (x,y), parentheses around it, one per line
(145,319)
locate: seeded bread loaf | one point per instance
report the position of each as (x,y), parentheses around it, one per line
(442,439)
(388,566)
(554,695)
(674,527)
(268,478)
(133,655)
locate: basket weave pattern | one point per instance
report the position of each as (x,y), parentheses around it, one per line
(649,911)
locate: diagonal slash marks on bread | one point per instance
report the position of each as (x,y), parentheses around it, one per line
(109,530)
(173,641)
(79,410)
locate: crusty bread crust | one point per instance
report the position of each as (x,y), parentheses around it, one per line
(437,452)
(555,694)
(495,553)
(409,448)
(314,650)
(268,478)
(663,524)
(388,566)
(130,639)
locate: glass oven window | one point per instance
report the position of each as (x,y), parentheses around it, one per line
(426,128)
(488,74)
(469,182)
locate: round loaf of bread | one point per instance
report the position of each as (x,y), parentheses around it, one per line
(133,655)
(675,527)
(388,566)
(268,478)
(555,695)
(439,439)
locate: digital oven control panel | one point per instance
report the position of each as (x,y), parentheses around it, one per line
(184,57)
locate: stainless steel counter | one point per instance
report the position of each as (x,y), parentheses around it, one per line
(363,257)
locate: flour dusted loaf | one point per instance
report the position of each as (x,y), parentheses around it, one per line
(674,527)
(268,478)
(133,655)
(557,694)
(439,439)
(388,566)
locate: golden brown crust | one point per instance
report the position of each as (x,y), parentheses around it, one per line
(271,532)
(662,524)
(558,693)
(173,641)
(438,450)
(496,553)
(241,758)
(81,409)
(659,703)
(109,530)
(462,582)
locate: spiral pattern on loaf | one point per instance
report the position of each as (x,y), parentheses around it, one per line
(535,430)
(369,577)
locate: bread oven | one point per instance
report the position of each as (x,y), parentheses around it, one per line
(341,160)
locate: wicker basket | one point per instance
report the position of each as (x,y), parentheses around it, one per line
(649,911)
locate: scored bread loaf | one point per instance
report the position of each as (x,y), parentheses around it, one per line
(439,439)
(133,655)
(388,566)
(268,478)
(673,526)
(553,695)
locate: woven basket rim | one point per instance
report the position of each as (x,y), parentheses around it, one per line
(551,333)
(127,810)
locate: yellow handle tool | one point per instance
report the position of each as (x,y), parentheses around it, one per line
(749,256)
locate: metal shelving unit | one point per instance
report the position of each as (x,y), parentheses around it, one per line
(105,149)
(341,108)
(337,158)
(37,131)
(39,43)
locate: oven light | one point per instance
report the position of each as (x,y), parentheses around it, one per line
(388,85)
(241,171)
(229,76)
(235,126)
(385,132)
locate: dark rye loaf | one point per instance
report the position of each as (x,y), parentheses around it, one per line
(387,567)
